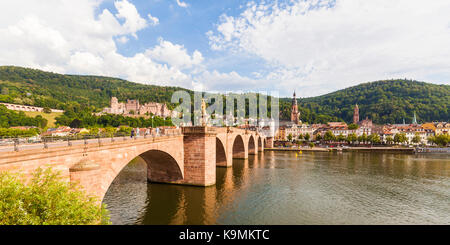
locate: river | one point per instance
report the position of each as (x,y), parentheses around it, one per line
(289,188)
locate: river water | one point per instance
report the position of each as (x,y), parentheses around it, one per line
(290,188)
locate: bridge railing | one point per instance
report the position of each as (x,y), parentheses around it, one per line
(9,144)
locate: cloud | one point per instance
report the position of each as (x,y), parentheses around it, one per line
(133,21)
(153,20)
(175,55)
(122,39)
(69,37)
(320,45)
(182,4)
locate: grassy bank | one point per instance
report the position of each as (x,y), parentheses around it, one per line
(49,116)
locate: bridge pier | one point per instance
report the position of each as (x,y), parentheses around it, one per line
(269,143)
(199,156)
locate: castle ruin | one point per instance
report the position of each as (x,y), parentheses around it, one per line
(133,107)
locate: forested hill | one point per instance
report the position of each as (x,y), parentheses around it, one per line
(45,89)
(382,101)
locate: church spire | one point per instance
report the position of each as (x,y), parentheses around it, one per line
(356,114)
(295,114)
(294,99)
(414,119)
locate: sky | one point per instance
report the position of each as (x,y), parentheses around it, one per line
(310,46)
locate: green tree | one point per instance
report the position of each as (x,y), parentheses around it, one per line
(319,137)
(307,137)
(5,91)
(76,123)
(47,200)
(94,130)
(400,138)
(389,140)
(363,138)
(110,130)
(351,138)
(9,118)
(125,130)
(47,110)
(41,121)
(374,139)
(416,139)
(329,136)
(341,138)
(440,140)
(289,137)
(353,126)
(9,132)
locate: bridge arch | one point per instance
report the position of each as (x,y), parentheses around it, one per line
(260,144)
(164,164)
(161,167)
(221,156)
(238,147)
(252,145)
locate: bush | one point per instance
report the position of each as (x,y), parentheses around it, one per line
(47,110)
(47,200)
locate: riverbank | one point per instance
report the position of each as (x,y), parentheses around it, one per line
(380,150)
(349,149)
(315,149)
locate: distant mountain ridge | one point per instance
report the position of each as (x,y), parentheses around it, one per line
(383,101)
(47,89)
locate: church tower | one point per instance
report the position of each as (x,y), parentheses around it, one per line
(356,114)
(414,121)
(295,114)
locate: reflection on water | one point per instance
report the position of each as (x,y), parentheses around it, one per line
(282,188)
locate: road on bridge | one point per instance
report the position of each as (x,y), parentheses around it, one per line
(62,143)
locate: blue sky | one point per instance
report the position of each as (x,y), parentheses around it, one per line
(188,26)
(311,46)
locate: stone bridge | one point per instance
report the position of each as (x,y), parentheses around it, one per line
(189,158)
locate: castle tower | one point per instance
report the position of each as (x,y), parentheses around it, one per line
(114,105)
(295,114)
(114,101)
(132,105)
(356,114)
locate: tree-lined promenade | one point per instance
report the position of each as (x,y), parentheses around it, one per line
(373,139)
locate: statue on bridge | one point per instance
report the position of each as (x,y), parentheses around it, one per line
(204,114)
